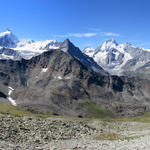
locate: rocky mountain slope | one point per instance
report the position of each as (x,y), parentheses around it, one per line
(14,48)
(62,80)
(57,83)
(124,59)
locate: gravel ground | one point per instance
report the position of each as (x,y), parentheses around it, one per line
(142,143)
(30,133)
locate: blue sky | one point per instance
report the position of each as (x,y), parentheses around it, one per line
(85,22)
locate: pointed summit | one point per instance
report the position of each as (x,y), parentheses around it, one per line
(111,41)
(106,46)
(67,45)
(8,39)
(8,30)
(67,40)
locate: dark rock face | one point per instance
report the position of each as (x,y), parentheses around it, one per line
(2,95)
(57,83)
(87,61)
(142,72)
(13,73)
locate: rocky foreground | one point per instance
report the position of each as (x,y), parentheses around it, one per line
(33,133)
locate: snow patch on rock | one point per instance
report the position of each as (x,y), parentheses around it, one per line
(10,90)
(44,69)
(59,77)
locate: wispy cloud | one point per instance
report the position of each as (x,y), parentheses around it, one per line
(111,34)
(87,35)
(79,35)
(102,33)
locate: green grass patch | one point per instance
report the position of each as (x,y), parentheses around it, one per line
(7,109)
(128,138)
(108,136)
(143,118)
(95,111)
(114,136)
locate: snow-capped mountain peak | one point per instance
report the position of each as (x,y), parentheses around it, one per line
(25,48)
(89,51)
(126,45)
(8,39)
(117,59)
(7,32)
(108,45)
(30,45)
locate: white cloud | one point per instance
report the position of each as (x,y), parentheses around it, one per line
(83,35)
(89,34)
(77,35)
(110,34)
(101,33)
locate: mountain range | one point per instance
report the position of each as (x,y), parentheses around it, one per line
(58,78)
(12,47)
(123,60)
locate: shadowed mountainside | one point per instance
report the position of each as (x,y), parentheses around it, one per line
(57,83)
